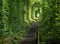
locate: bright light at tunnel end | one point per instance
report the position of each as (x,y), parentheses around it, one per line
(38,14)
(37,19)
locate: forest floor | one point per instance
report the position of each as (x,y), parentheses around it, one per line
(29,37)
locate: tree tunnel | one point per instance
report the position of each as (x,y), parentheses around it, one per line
(29,20)
(32,17)
(19,17)
(34,11)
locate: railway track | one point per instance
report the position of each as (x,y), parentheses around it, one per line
(29,37)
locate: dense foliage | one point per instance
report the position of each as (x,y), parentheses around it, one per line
(16,16)
(49,29)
